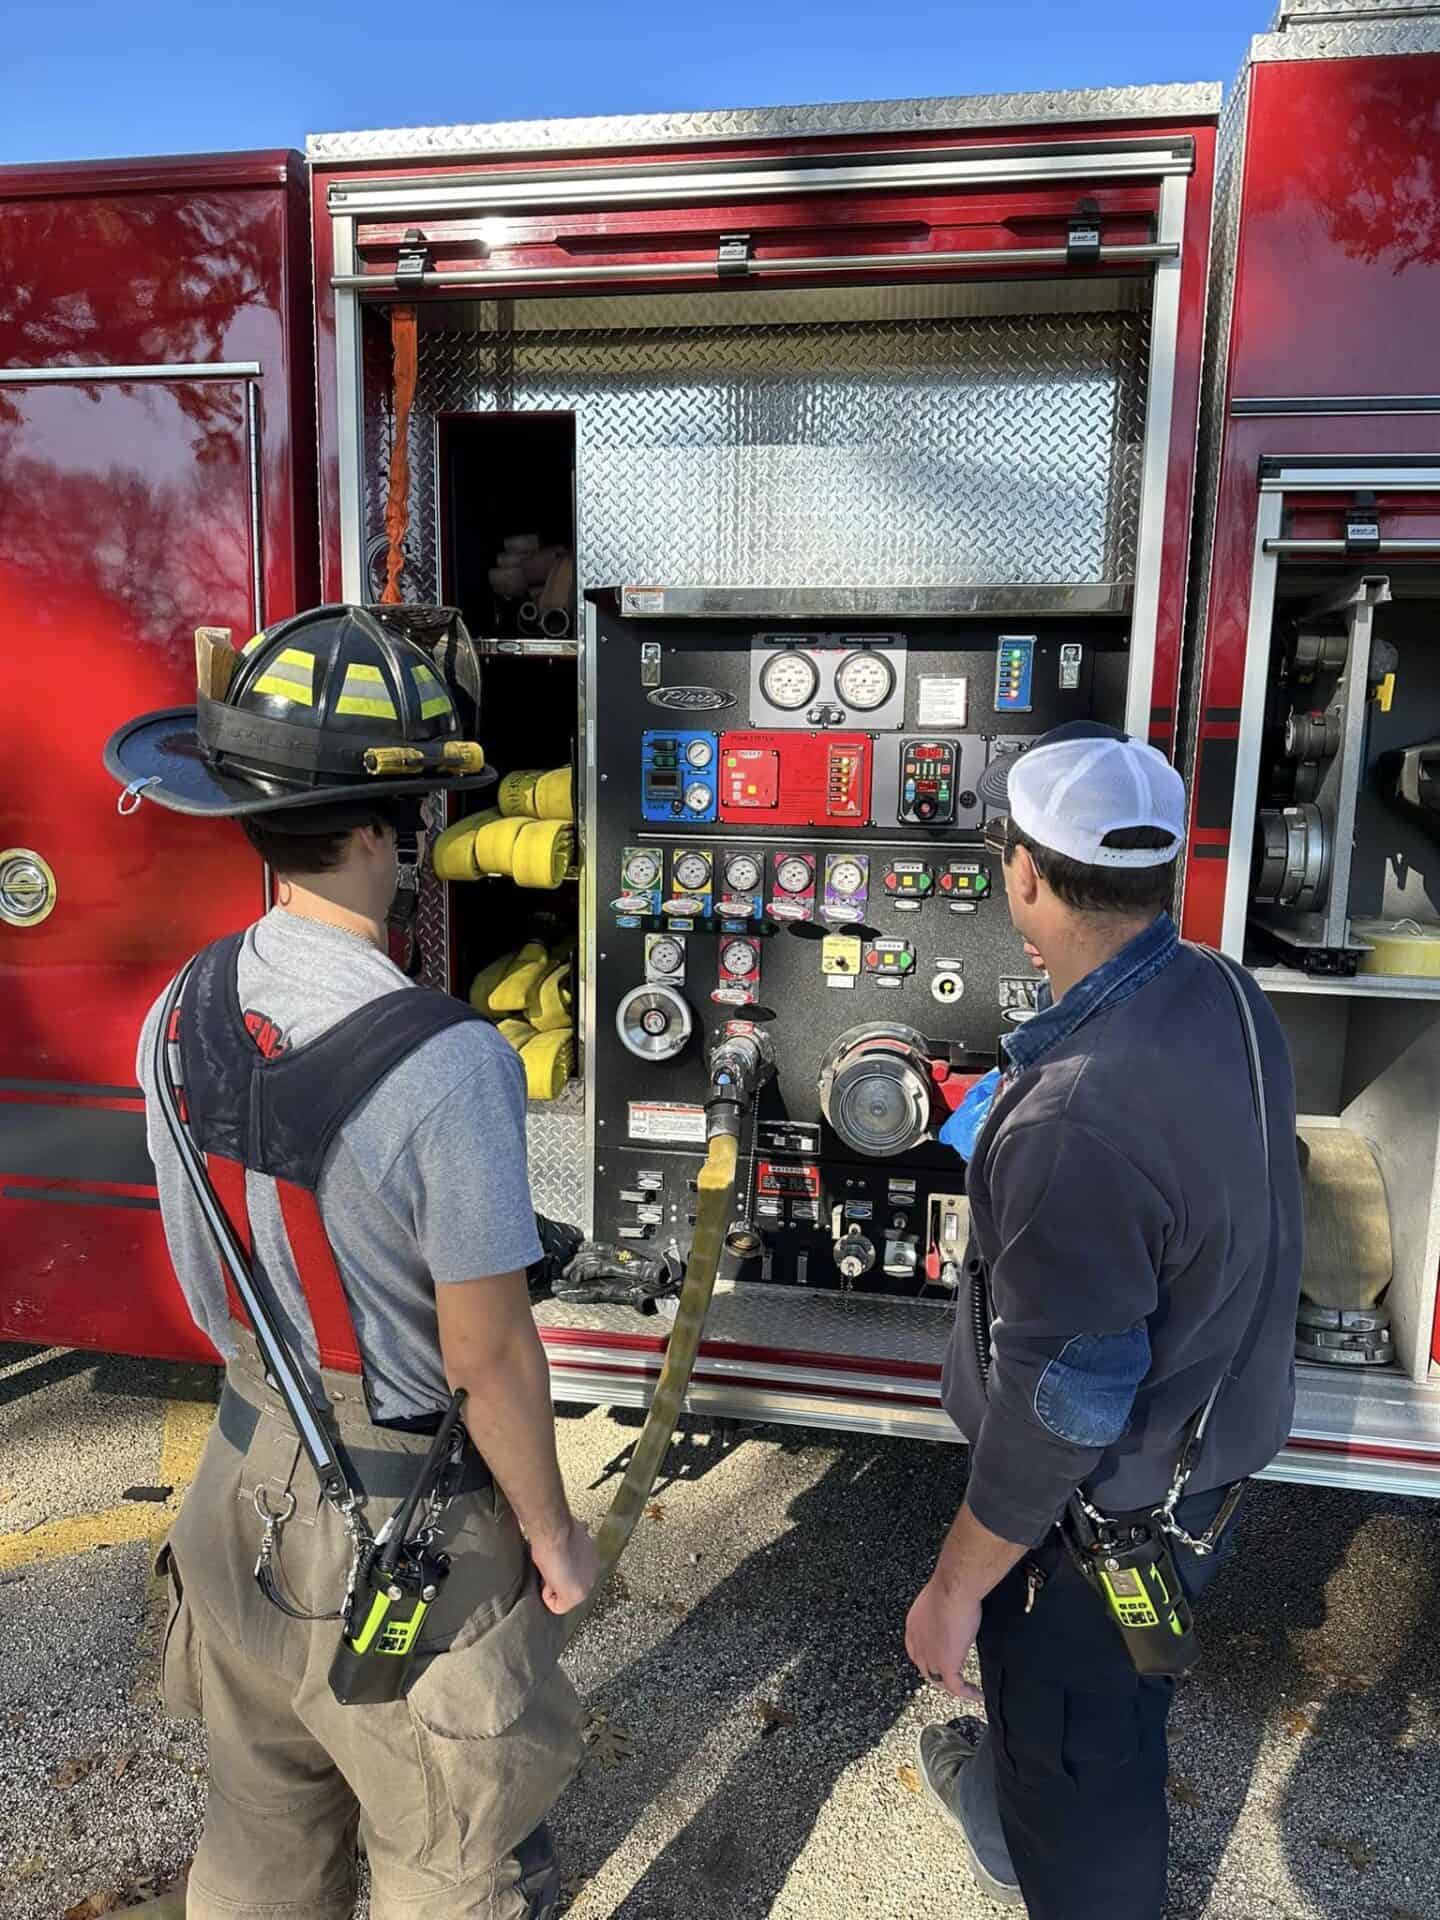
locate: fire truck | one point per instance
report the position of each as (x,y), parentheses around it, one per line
(786,469)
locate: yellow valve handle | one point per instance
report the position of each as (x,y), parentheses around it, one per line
(1385,693)
(712,1220)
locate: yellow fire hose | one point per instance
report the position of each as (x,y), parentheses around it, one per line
(712,1219)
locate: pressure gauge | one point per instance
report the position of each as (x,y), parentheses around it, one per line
(847,877)
(699,753)
(793,875)
(697,798)
(788,680)
(738,958)
(742,873)
(692,872)
(664,955)
(641,871)
(864,681)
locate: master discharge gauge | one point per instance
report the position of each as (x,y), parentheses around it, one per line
(864,681)
(789,680)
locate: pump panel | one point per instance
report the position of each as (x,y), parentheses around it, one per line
(838,890)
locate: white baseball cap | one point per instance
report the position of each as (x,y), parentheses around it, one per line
(1083,781)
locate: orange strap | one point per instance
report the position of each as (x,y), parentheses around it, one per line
(405,351)
(320,1280)
(227,1177)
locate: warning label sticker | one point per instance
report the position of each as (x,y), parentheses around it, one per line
(667,1121)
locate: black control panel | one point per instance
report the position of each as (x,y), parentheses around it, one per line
(790,830)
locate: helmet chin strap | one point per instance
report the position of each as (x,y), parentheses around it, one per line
(405,901)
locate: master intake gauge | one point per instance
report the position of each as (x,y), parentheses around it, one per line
(789,679)
(864,680)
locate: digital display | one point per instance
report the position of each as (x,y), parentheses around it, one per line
(663,782)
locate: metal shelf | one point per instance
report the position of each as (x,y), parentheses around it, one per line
(1365,986)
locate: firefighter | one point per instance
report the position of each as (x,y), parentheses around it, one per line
(366,1140)
(1125,1360)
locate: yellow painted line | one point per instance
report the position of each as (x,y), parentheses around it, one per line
(186,1423)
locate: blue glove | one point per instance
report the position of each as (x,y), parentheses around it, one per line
(962,1129)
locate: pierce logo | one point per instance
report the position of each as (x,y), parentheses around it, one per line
(690,699)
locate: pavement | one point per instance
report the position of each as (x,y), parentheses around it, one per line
(752,1712)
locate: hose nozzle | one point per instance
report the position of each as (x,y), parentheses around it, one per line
(742,1060)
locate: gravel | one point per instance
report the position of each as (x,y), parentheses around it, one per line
(752,1651)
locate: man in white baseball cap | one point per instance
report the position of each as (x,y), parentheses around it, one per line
(1125,1359)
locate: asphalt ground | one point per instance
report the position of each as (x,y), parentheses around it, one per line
(753,1715)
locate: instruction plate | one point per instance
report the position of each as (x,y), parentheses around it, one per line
(667,1120)
(943,702)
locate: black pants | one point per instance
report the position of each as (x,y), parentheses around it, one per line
(1079,1735)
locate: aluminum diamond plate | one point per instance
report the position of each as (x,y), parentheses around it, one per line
(1351,37)
(556,1135)
(944,113)
(917,453)
(1308,12)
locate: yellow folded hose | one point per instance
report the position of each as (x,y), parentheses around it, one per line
(549,1003)
(543,853)
(525,971)
(453,854)
(549,1060)
(712,1220)
(488,978)
(495,844)
(517,1032)
(517,792)
(554,797)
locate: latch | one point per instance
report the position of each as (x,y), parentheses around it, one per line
(1082,237)
(1362,525)
(414,260)
(733,255)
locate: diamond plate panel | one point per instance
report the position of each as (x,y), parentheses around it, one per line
(851,116)
(1348,37)
(556,1134)
(1307,11)
(918,453)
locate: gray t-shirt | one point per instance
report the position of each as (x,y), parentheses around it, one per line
(425,1185)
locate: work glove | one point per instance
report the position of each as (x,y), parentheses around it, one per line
(603,1275)
(559,1243)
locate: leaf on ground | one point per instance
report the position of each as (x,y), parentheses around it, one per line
(680,1608)
(607,1743)
(1357,1852)
(31,1867)
(93,1905)
(772,1717)
(1298,1722)
(122,1764)
(71,1772)
(1184,1792)
(655,1511)
(909,1776)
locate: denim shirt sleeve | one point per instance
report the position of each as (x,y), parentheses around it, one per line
(1082,1234)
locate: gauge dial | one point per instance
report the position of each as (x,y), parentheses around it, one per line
(846,876)
(699,753)
(697,798)
(692,871)
(792,874)
(742,873)
(665,955)
(641,871)
(864,681)
(788,680)
(738,958)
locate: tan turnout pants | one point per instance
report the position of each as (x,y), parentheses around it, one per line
(443,1785)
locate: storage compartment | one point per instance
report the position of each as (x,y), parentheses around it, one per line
(1370,1062)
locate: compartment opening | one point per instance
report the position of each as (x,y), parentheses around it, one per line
(511,478)
(1372,1067)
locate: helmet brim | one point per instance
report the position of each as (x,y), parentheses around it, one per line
(162,750)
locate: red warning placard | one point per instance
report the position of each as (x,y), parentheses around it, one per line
(795,779)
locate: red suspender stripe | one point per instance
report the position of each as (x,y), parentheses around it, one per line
(319,1278)
(227,1177)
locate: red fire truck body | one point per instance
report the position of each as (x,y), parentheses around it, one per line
(178,337)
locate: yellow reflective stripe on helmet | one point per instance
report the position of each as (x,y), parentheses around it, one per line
(364,692)
(433,697)
(255,640)
(290,676)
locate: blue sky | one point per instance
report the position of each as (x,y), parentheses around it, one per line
(90,79)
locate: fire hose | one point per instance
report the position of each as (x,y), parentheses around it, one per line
(739,1066)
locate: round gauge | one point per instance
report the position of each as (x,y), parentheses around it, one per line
(641,871)
(792,874)
(742,873)
(789,679)
(665,956)
(846,876)
(697,798)
(737,958)
(692,871)
(699,753)
(864,681)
